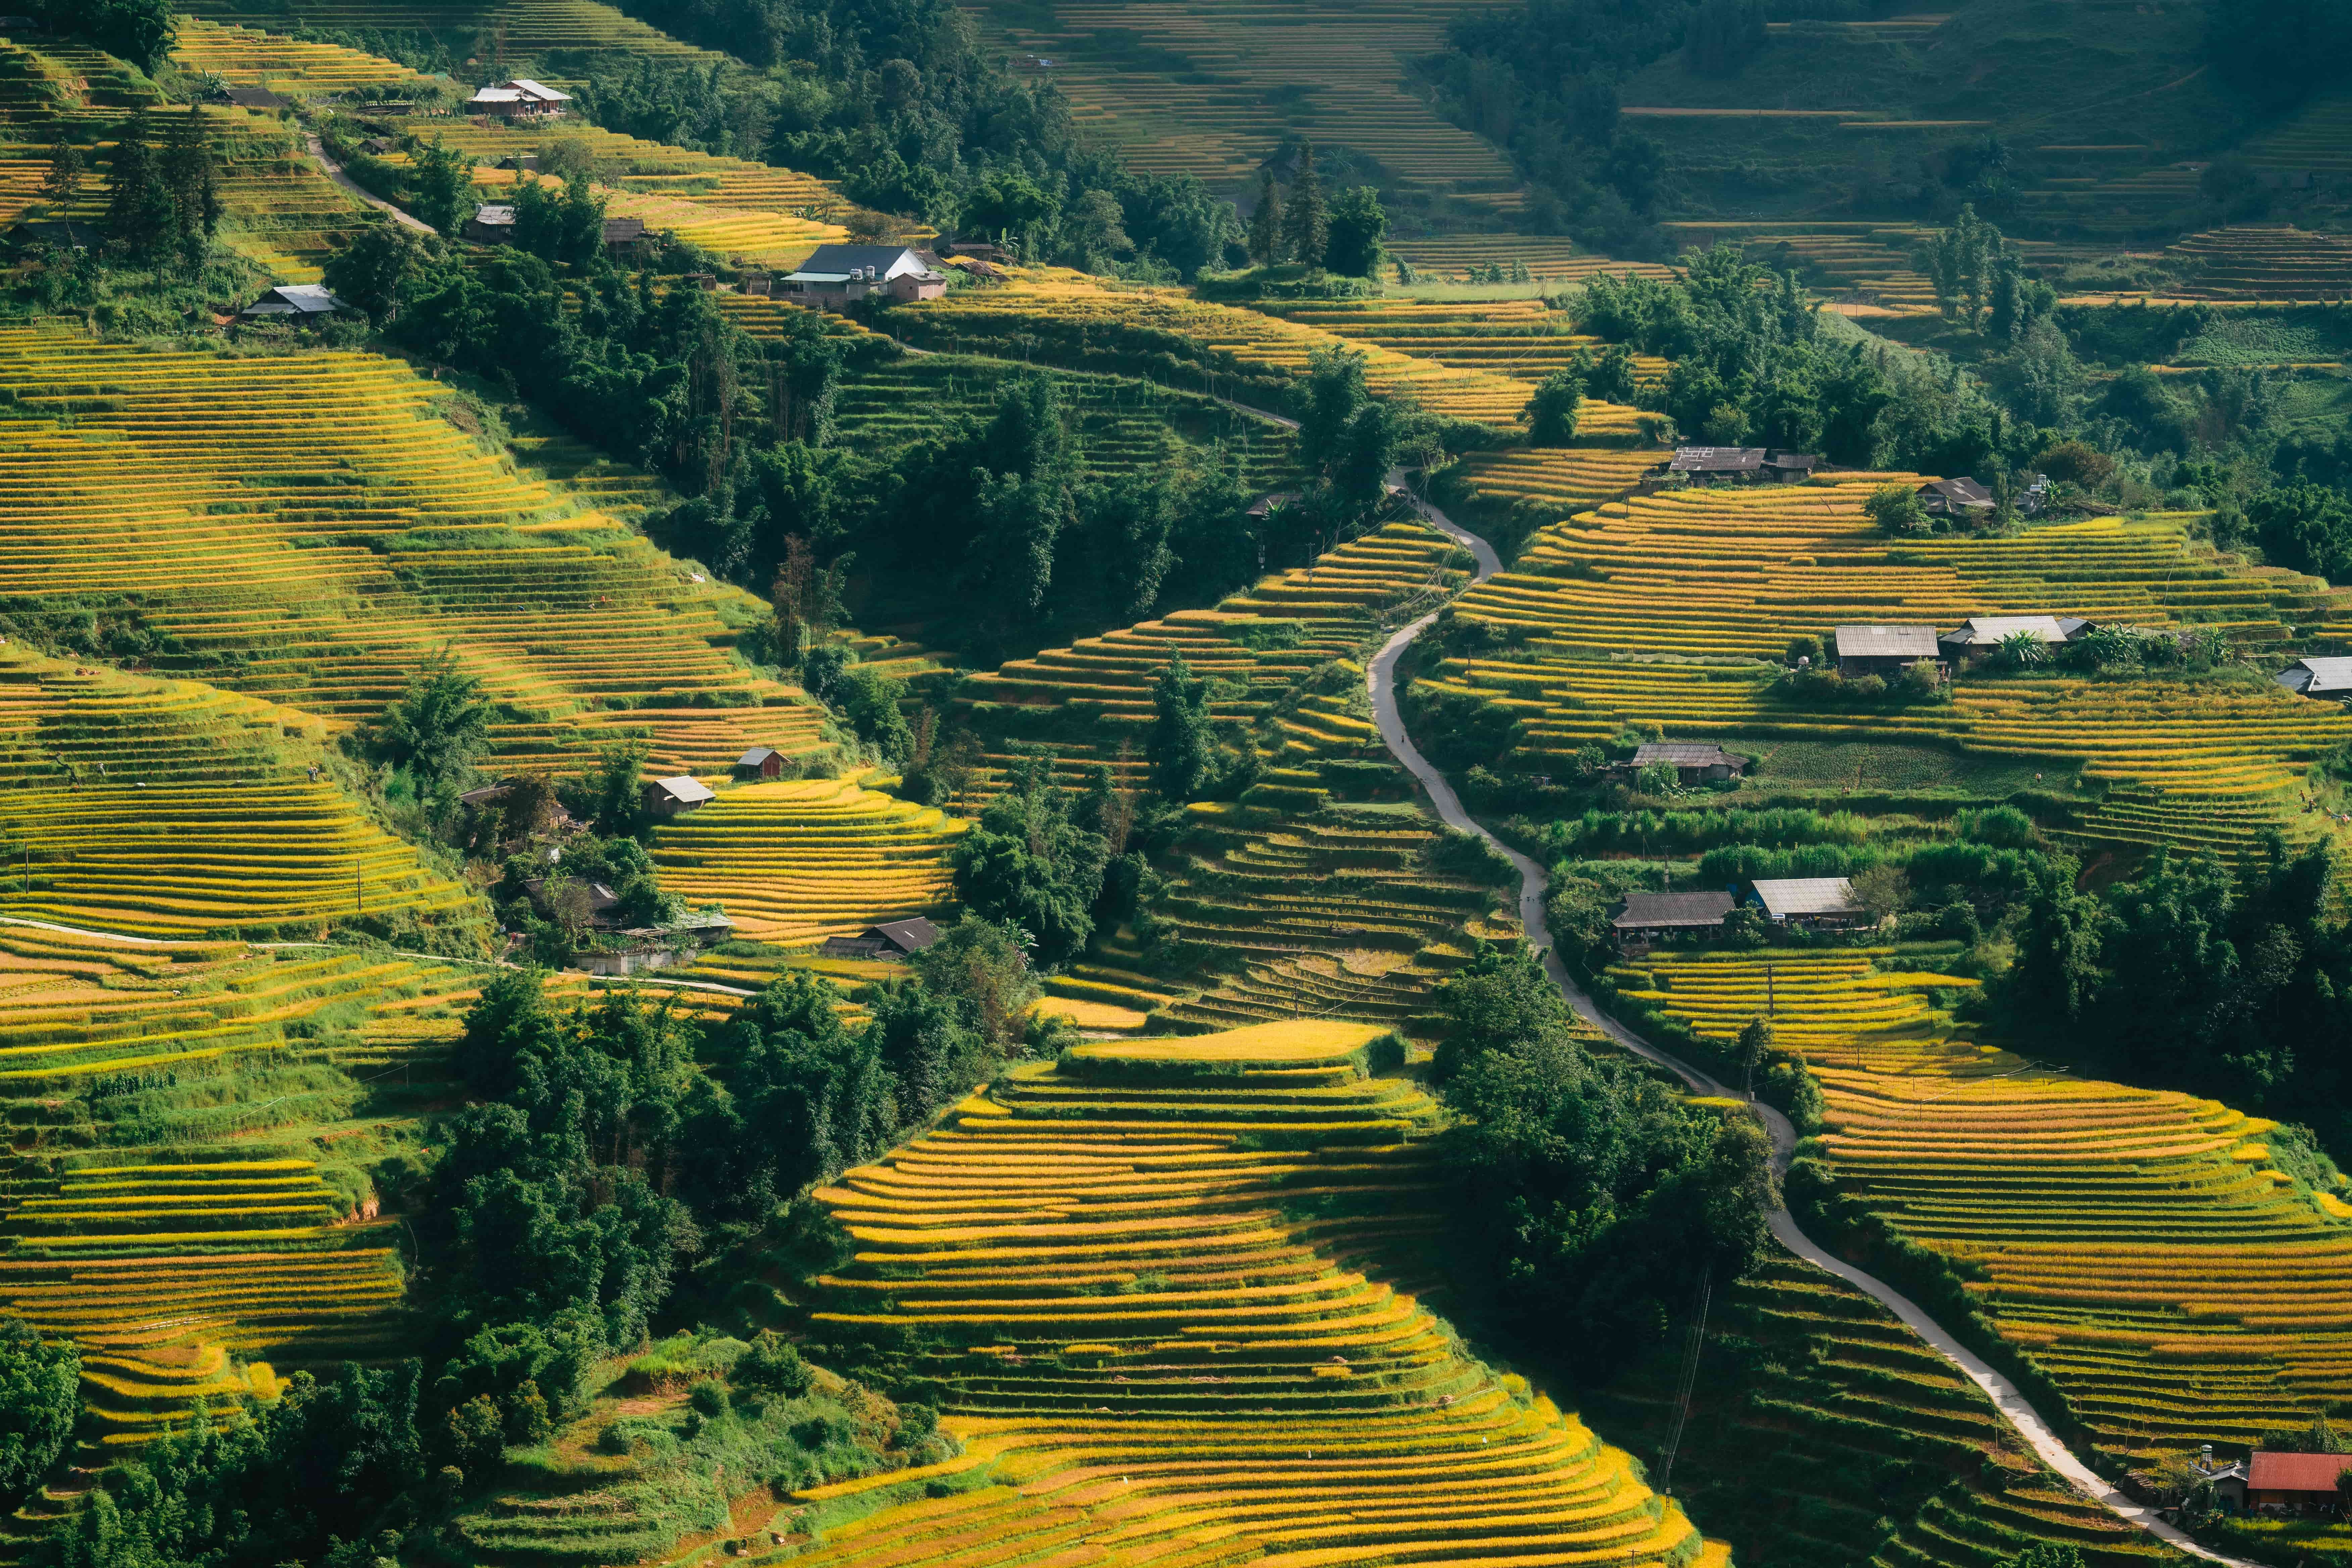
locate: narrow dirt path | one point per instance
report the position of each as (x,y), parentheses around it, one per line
(334,171)
(2014,1407)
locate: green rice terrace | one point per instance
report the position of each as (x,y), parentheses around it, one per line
(1179,786)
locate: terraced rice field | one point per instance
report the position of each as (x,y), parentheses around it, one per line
(1121,424)
(1548,257)
(248,57)
(1122,1315)
(1822,1431)
(309,528)
(1208,88)
(2262,263)
(2138,1245)
(1305,620)
(798,861)
(280,210)
(163,1260)
(2316,139)
(1665,609)
(1548,484)
(1065,318)
(1330,915)
(740,237)
(526,29)
(1522,339)
(168,808)
(647,170)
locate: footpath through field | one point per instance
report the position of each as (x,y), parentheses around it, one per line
(2014,1407)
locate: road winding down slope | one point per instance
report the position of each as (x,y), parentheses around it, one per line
(2014,1407)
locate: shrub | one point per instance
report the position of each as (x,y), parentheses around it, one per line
(1897,509)
(774,1364)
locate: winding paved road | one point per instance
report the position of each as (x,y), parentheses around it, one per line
(1380,677)
(334,171)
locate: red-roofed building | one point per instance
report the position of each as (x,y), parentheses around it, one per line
(2295,1480)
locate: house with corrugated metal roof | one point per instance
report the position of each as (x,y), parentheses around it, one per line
(1648,918)
(520,99)
(2327,677)
(890,940)
(1886,651)
(1694,762)
(1982,633)
(1815,903)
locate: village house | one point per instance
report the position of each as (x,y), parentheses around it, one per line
(1650,918)
(2294,1483)
(298,302)
(1272,502)
(1955,497)
(669,797)
(1736,465)
(1811,903)
(493,223)
(761,761)
(520,99)
(1694,762)
(891,940)
(2327,677)
(625,236)
(1979,634)
(1886,651)
(837,274)
(254,98)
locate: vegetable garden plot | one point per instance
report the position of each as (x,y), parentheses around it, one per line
(309,528)
(2138,1245)
(800,861)
(1115,1301)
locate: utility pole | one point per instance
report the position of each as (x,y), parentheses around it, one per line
(1771,1009)
(358,901)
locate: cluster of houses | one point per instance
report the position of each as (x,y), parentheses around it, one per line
(1889,650)
(1792,903)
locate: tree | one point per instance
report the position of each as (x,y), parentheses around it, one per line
(1183,748)
(1026,864)
(565,225)
(61,186)
(1551,413)
(437,727)
(2307,527)
(984,967)
(139,31)
(1358,226)
(1306,222)
(371,272)
(441,187)
(40,1400)
(1336,391)
(1958,261)
(1882,891)
(186,171)
(1265,225)
(139,211)
(1897,509)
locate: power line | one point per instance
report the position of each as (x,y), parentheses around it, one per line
(1689,1382)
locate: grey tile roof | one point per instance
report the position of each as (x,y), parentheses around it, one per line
(1649,911)
(1717,459)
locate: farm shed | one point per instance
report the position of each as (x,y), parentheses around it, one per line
(1737,465)
(765,761)
(259,98)
(1819,904)
(1955,497)
(602,900)
(492,224)
(837,274)
(296,302)
(1982,633)
(1665,917)
(890,940)
(2330,677)
(1885,651)
(1694,762)
(520,99)
(668,797)
(2295,1480)
(626,235)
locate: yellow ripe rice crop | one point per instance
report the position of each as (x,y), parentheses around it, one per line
(2134,1241)
(1113,1302)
